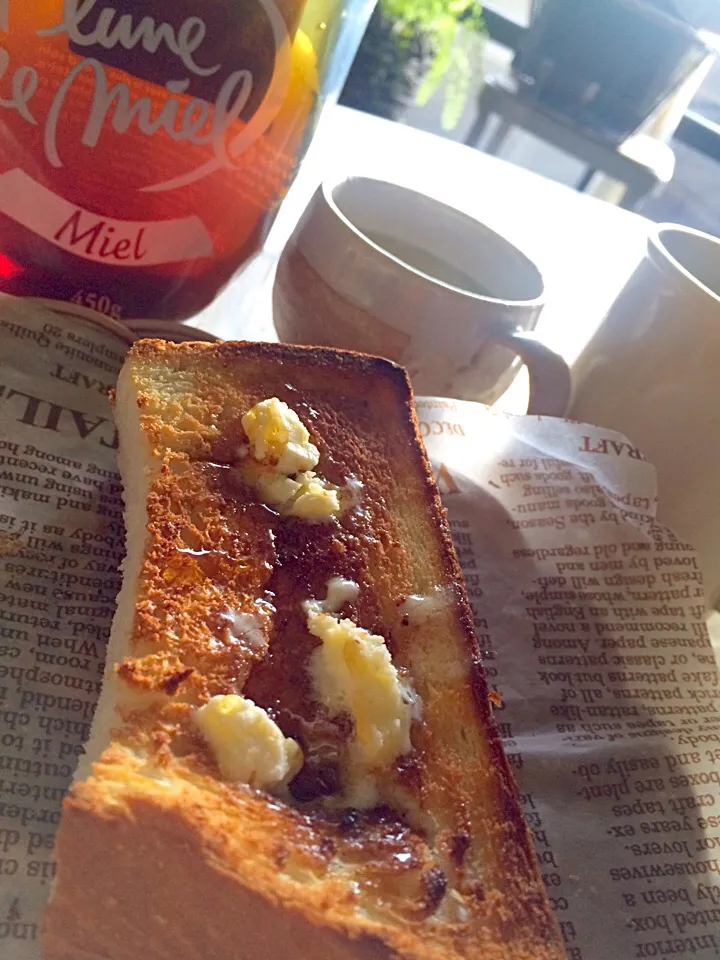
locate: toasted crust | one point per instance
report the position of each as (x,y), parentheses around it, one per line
(157,856)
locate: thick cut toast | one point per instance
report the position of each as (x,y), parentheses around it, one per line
(161,855)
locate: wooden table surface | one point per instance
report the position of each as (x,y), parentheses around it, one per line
(585,248)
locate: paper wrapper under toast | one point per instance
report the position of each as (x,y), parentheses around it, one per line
(592,622)
(61,544)
(590,618)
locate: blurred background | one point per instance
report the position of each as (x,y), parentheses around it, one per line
(618,98)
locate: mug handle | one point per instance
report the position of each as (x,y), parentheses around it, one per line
(550,382)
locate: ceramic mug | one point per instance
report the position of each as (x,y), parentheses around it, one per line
(378,268)
(651,371)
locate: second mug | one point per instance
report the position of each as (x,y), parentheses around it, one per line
(378,268)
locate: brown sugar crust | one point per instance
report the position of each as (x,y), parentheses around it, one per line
(157,856)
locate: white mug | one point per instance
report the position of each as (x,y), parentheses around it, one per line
(378,268)
(652,370)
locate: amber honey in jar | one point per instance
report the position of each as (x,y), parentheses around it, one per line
(145,144)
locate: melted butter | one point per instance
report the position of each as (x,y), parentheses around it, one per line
(315,499)
(339,592)
(279,438)
(248,628)
(353,492)
(418,608)
(352,672)
(279,460)
(248,745)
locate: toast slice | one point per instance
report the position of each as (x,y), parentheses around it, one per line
(293,757)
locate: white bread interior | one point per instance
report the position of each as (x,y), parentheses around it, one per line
(137,469)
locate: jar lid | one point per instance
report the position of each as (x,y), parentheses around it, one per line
(74,310)
(168,330)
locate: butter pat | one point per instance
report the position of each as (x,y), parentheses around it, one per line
(272,487)
(248,745)
(279,438)
(315,499)
(281,461)
(305,496)
(248,628)
(339,592)
(352,672)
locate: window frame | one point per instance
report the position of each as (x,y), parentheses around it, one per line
(701,135)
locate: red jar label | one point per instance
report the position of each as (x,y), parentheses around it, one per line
(154,135)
